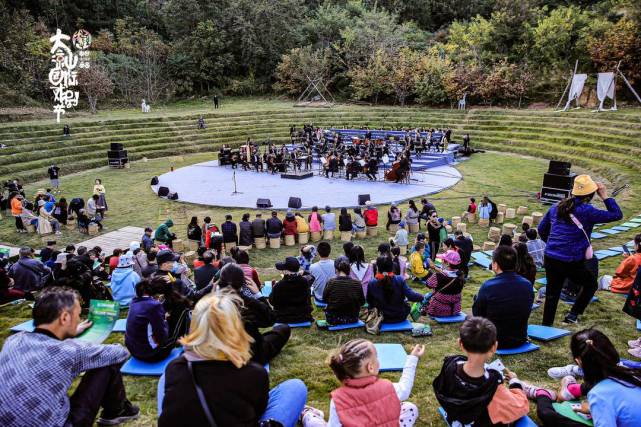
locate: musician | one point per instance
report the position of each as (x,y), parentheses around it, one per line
(309,159)
(372,168)
(352,169)
(403,169)
(256,161)
(331,165)
(234,160)
(293,157)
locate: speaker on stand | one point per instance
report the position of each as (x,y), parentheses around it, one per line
(117,156)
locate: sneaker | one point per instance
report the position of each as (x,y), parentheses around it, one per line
(531,390)
(564,393)
(129,412)
(635,343)
(571,318)
(636,352)
(565,371)
(310,412)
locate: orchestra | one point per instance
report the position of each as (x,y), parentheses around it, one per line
(339,155)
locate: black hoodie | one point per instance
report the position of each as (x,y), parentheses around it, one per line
(464,400)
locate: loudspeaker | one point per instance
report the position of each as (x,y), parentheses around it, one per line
(172,196)
(263,203)
(154,180)
(362,198)
(116,146)
(163,192)
(559,168)
(561,182)
(117,154)
(294,203)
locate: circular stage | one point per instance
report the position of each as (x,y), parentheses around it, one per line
(209,184)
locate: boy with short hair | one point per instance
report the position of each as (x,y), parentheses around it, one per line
(471,392)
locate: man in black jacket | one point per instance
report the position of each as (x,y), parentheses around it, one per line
(230,232)
(290,295)
(465,247)
(274,226)
(258,226)
(204,274)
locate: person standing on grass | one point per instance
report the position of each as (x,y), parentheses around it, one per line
(566,229)
(54,176)
(38,368)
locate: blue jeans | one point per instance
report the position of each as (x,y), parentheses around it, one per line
(286,402)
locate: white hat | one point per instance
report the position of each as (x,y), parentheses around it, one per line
(368,203)
(126,260)
(134,245)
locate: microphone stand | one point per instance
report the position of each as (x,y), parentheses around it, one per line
(235,189)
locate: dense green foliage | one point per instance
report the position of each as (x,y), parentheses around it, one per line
(425,51)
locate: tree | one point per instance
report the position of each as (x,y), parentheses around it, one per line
(299,64)
(618,42)
(371,80)
(95,83)
(402,74)
(430,78)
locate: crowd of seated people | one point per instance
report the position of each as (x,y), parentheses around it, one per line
(230,328)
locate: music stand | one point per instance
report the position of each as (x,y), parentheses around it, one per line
(235,188)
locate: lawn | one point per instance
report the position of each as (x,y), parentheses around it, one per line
(509,179)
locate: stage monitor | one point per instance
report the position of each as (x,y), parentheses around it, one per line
(362,198)
(294,203)
(154,180)
(163,192)
(559,168)
(263,203)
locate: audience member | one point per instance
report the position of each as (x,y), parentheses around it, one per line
(506,300)
(290,226)
(28,273)
(447,282)
(258,227)
(329,220)
(301,224)
(163,234)
(44,363)
(245,231)
(465,247)
(290,295)
(146,240)
(47,252)
(152,264)
(274,226)
(625,273)
(387,292)
(229,232)
(370,215)
(215,381)
(524,263)
(364,399)
(470,391)
(394,216)
(194,232)
(535,246)
(434,226)
(412,215)
(343,295)
(360,269)
(345,221)
(242,259)
(401,238)
(566,228)
(204,275)
(358,224)
(306,257)
(322,271)
(417,262)
(506,240)
(315,221)
(124,280)
(7,291)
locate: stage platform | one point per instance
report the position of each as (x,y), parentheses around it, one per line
(209,184)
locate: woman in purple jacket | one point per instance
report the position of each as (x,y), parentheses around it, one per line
(566,229)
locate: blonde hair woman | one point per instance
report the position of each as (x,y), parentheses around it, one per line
(215,382)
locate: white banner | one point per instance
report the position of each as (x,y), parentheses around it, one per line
(605,86)
(576,89)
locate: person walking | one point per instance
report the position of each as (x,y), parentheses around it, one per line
(566,230)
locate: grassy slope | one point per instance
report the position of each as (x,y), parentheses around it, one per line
(505,177)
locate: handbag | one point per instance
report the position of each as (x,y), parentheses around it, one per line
(373,321)
(589,251)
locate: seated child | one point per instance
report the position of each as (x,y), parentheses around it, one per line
(470,392)
(344,296)
(417,262)
(357,402)
(447,283)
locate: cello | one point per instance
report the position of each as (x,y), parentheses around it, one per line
(393,173)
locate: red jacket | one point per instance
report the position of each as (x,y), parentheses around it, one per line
(371,217)
(367,401)
(290,228)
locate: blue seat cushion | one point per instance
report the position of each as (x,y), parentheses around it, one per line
(23,327)
(451,319)
(134,366)
(160,395)
(639,325)
(266,289)
(405,325)
(542,281)
(535,306)
(319,304)
(524,348)
(120,325)
(596,235)
(297,325)
(359,324)
(391,357)
(546,333)
(521,422)
(594,299)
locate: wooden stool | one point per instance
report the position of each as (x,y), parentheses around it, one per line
(93,229)
(403,250)
(193,245)
(501,207)
(316,236)
(521,210)
(494,234)
(456,220)
(189,257)
(71,224)
(372,231)
(260,243)
(536,218)
(510,213)
(462,227)
(303,238)
(528,220)
(500,218)
(290,240)
(448,228)
(468,235)
(471,218)
(178,246)
(328,234)
(360,234)
(476,248)
(393,228)
(244,248)
(346,236)
(508,229)
(413,228)
(274,243)
(228,246)
(484,222)
(489,246)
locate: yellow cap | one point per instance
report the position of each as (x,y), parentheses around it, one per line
(583,185)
